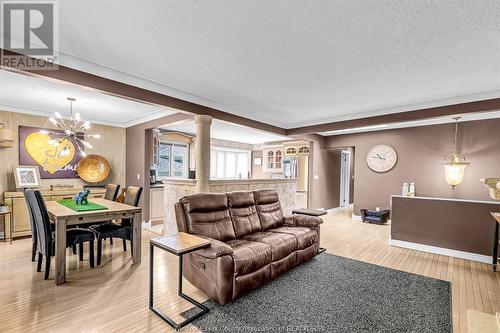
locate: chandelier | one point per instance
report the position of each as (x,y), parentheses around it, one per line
(455,164)
(73,131)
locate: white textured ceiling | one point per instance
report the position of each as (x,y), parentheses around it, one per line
(223,130)
(292,63)
(26,94)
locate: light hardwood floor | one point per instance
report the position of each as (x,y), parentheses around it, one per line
(113,297)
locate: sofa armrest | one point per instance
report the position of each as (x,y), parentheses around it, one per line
(216,249)
(303,221)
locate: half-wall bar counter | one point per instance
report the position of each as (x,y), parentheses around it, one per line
(454,227)
(175,189)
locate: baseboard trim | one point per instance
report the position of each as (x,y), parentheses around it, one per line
(441,250)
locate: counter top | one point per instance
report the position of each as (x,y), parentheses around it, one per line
(232,181)
(448,199)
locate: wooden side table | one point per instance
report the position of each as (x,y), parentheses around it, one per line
(11,225)
(496,216)
(178,245)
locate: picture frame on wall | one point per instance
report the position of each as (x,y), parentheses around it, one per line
(27,176)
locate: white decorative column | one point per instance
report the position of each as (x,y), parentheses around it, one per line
(202,152)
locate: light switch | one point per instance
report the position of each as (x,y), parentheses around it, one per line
(316,177)
(138,176)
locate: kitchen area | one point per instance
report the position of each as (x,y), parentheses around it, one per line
(240,161)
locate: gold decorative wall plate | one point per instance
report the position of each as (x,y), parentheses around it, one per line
(93,168)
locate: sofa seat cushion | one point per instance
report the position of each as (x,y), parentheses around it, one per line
(305,236)
(281,244)
(249,256)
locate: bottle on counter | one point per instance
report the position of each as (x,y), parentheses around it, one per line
(412,190)
(405,189)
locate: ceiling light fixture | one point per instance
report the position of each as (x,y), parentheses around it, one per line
(73,131)
(455,164)
(357,129)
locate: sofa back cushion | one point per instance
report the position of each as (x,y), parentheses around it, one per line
(268,209)
(243,213)
(207,214)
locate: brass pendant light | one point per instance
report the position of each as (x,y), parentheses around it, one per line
(455,164)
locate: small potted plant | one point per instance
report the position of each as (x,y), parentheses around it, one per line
(4,208)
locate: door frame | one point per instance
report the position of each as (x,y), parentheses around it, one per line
(345,176)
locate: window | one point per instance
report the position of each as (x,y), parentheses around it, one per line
(228,163)
(173,160)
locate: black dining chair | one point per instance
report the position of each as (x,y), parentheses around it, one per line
(115,230)
(45,236)
(34,235)
(110,194)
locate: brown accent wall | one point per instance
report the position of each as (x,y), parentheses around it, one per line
(321,193)
(332,178)
(456,225)
(421,151)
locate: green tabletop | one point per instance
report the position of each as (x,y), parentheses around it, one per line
(70,203)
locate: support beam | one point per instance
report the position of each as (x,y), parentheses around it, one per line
(123,90)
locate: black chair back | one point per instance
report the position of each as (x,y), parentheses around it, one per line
(42,222)
(133,195)
(111,192)
(34,233)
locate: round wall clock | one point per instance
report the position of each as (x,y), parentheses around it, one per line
(381,158)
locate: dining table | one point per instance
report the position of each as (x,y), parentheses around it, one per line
(63,216)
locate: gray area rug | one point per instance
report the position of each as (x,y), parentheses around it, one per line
(336,294)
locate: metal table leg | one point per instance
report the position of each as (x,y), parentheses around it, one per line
(157,311)
(495,247)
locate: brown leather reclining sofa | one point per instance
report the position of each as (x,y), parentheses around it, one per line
(251,241)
